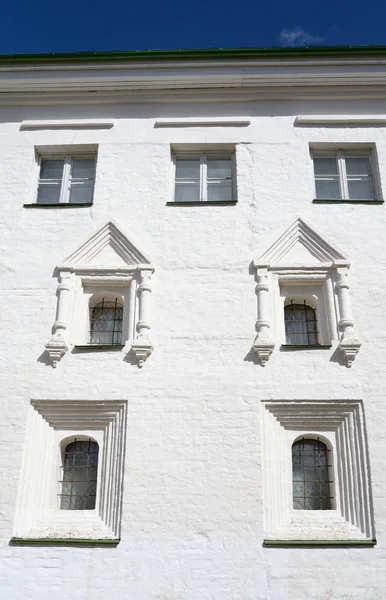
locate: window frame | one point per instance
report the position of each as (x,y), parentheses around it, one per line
(340,155)
(64,444)
(330,472)
(66,181)
(203,156)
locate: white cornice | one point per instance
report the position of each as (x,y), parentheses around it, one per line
(59,83)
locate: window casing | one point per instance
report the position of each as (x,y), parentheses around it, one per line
(311,475)
(79,475)
(204,177)
(66,179)
(345,175)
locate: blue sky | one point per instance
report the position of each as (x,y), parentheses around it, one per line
(75,25)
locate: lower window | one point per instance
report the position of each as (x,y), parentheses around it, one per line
(72,473)
(316,472)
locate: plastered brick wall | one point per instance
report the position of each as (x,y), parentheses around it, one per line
(192,526)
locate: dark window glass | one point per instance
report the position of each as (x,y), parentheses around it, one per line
(80,470)
(300,325)
(106,323)
(310,475)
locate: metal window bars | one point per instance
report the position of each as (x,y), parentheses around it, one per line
(106,323)
(310,475)
(79,476)
(300,325)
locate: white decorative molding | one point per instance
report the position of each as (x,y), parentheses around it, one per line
(299,233)
(341,424)
(338,120)
(49,422)
(108,260)
(67,124)
(263,345)
(192,79)
(301,261)
(202,123)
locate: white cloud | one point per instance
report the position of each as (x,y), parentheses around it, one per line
(298,37)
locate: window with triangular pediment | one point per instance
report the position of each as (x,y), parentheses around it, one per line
(301,269)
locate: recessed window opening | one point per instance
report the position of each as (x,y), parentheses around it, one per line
(300,324)
(66,179)
(106,321)
(204,177)
(79,475)
(311,485)
(344,175)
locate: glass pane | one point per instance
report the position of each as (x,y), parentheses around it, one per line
(327,189)
(300,325)
(187,168)
(51,169)
(187,192)
(325,165)
(311,488)
(83,168)
(360,189)
(358,165)
(220,191)
(81,192)
(219,168)
(49,193)
(79,479)
(106,324)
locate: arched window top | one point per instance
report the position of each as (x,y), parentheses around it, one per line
(310,475)
(79,477)
(301,327)
(106,320)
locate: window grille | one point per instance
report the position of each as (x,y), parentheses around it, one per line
(310,475)
(79,481)
(300,325)
(106,323)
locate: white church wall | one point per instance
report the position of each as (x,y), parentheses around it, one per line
(193,500)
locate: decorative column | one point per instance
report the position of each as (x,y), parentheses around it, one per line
(348,344)
(142,346)
(57,346)
(263,345)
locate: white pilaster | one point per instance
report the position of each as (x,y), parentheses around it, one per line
(263,345)
(349,345)
(142,346)
(57,346)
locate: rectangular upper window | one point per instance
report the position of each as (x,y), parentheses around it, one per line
(66,179)
(204,177)
(345,175)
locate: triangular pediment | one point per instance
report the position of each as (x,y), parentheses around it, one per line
(108,248)
(300,245)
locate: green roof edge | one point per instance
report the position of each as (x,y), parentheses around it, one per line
(72,541)
(193,53)
(295,543)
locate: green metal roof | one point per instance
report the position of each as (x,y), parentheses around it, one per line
(194,53)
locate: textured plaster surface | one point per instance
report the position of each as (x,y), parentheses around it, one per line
(192,524)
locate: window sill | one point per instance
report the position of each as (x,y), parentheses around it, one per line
(59,205)
(92,347)
(206,202)
(294,543)
(327,201)
(306,346)
(15,541)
